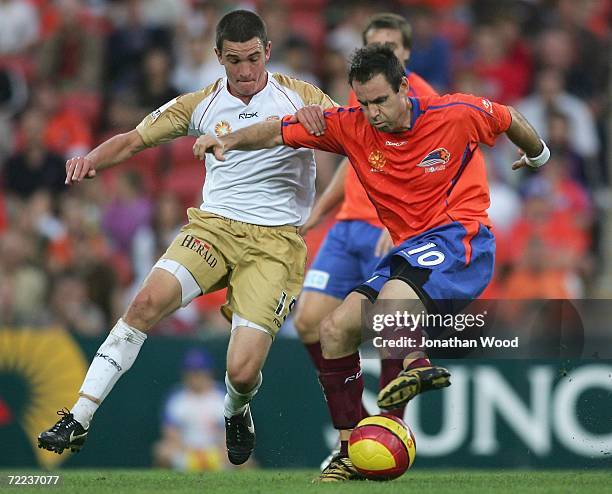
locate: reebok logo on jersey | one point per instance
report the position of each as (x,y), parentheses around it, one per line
(395,144)
(244,115)
(435,161)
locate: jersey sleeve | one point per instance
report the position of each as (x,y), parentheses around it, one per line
(485,120)
(296,136)
(169,121)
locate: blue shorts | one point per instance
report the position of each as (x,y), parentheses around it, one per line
(345,260)
(435,265)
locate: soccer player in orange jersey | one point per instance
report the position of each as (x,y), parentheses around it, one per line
(414,157)
(354,245)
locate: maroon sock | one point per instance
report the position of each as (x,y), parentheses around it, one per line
(342,383)
(389,369)
(420,362)
(344,448)
(316,354)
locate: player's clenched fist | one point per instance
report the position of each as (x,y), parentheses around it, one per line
(78,168)
(208,144)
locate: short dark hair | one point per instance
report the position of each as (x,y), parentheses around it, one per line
(387,20)
(369,61)
(240,26)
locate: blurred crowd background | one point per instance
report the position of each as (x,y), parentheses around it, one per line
(74,72)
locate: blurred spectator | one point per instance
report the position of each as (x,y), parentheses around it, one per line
(19,27)
(71,308)
(535,276)
(13,97)
(155,88)
(164,13)
(502,78)
(551,93)
(72,55)
(128,42)
(128,211)
(23,285)
(66,133)
(34,167)
(193,432)
(584,23)
(151,241)
(295,60)
(198,67)
(430,56)
(346,36)
(560,140)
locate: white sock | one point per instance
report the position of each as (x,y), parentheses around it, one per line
(235,402)
(114,357)
(83,410)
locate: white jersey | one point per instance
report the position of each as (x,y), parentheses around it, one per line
(268,187)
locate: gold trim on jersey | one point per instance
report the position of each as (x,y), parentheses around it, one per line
(172,119)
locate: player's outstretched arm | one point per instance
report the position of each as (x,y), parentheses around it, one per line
(525,137)
(262,135)
(111,152)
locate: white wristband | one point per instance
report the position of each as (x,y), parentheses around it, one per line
(540,159)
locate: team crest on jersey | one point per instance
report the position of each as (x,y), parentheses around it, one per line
(377,161)
(435,161)
(222,128)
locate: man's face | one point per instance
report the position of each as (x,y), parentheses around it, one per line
(245,65)
(384,108)
(391,37)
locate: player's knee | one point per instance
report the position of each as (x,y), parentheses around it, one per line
(144,311)
(244,375)
(306,324)
(333,337)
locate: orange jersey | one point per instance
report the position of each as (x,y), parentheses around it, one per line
(423,177)
(356,204)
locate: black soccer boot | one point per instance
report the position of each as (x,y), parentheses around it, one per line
(240,436)
(67,433)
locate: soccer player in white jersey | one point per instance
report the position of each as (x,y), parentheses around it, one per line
(244,236)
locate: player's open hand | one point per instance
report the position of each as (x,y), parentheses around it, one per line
(78,168)
(209,144)
(312,118)
(384,243)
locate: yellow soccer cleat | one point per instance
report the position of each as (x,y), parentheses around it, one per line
(410,383)
(340,468)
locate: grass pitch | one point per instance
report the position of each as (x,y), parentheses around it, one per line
(299,481)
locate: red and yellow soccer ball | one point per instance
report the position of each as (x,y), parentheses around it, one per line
(382,447)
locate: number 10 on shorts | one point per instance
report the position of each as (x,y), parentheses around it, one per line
(428,257)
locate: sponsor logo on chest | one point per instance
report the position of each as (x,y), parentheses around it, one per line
(435,160)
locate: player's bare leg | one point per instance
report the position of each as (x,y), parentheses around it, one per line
(246,355)
(342,380)
(159,296)
(419,375)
